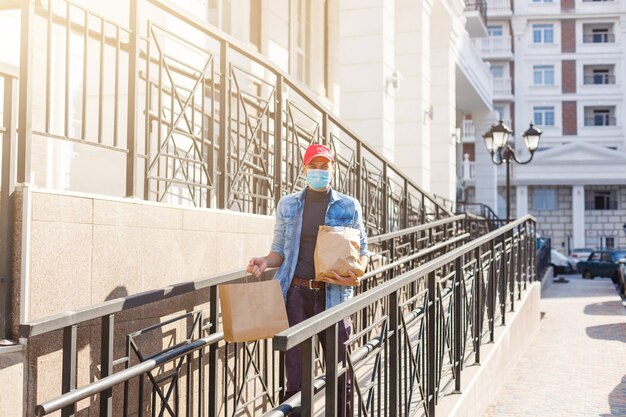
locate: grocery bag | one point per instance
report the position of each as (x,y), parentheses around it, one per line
(252,311)
(337,249)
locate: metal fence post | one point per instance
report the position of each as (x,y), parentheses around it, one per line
(385,197)
(331,351)
(133,79)
(278,141)
(513,268)
(394,344)
(68,381)
(431,347)
(213,353)
(478,303)
(106,363)
(222,197)
(491,292)
(458,331)
(308,356)
(26,93)
(7,188)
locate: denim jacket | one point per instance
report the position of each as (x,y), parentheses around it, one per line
(342,210)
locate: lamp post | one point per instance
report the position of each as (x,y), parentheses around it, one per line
(496,141)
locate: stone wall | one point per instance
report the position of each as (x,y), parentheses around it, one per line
(554,224)
(82,250)
(606,223)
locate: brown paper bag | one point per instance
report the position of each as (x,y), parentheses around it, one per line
(337,249)
(252,311)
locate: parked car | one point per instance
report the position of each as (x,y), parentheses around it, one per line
(602,263)
(621,275)
(560,263)
(579,254)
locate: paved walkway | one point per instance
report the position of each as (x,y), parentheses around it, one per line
(576,366)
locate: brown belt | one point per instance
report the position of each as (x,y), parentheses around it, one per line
(308,283)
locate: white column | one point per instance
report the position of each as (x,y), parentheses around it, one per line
(578,216)
(445,30)
(366,61)
(412,104)
(486,171)
(521,200)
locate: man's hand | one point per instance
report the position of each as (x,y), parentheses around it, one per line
(256,266)
(350,281)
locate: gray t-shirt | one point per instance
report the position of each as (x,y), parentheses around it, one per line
(315,206)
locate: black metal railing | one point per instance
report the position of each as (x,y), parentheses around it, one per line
(479,209)
(432,323)
(198,371)
(599,79)
(200,119)
(482,210)
(477,5)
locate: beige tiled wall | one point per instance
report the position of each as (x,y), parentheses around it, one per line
(86,249)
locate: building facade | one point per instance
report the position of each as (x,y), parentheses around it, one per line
(565,60)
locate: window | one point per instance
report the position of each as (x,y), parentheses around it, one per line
(543,33)
(607,242)
(543,75)
(495,31)
(600,76)
(596,256)
(500,111)
(497,71)
(544,199)
(302,39)
(600,116)
(543,116)
(600,35)
(601,200)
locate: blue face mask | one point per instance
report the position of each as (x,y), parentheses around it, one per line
(318,179)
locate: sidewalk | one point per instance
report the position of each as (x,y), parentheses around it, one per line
(576,366)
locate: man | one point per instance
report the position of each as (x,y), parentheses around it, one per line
(298,217)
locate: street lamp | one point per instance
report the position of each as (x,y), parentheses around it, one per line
(496,141)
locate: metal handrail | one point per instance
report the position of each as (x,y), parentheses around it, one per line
(492,268)
(295,335)
(73,318)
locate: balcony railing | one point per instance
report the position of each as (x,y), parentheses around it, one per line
(601,121)
(502,86)
(477,5)
(494,46)
(599,79)
(498,6)
(599,38)
(469,169)
(468,130)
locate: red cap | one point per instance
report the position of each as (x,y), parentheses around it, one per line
(317,150)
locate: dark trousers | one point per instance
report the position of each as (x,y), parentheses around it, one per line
(303,303)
